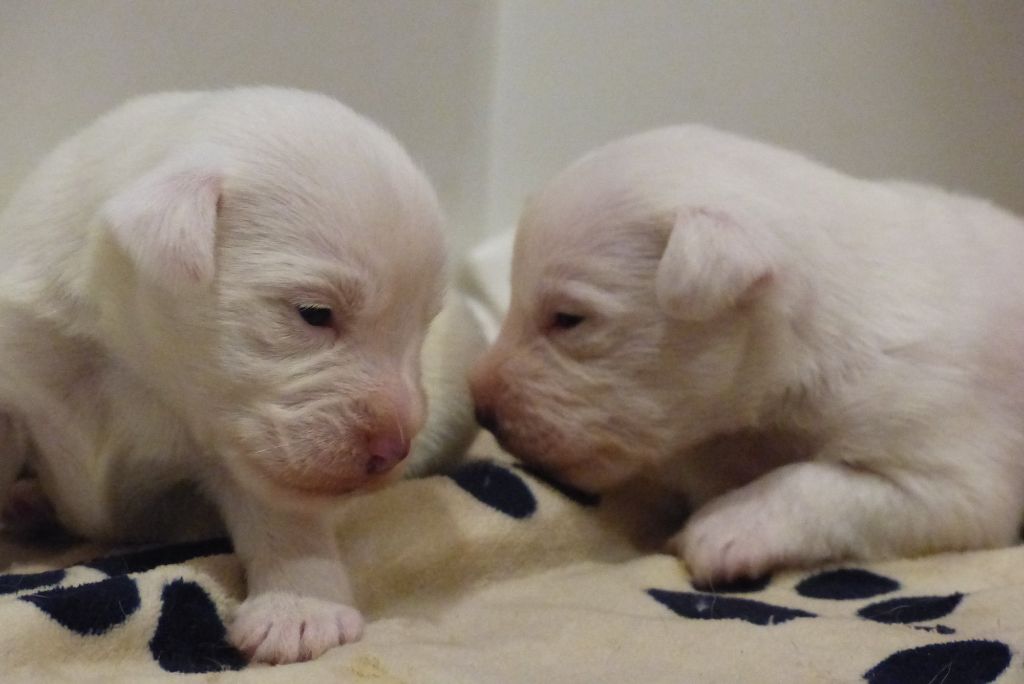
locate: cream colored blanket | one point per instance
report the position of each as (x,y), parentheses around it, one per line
(494,575)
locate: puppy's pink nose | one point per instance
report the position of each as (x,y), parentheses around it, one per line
(386,451)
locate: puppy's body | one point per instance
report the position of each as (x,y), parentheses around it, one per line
(827,367)
(221,293)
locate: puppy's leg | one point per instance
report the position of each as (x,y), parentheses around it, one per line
(960,495)
(17,502)
(299,598)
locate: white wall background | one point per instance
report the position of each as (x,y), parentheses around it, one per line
(421,68)
(928,89)
(493,96)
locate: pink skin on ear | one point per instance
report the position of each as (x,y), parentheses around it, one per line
(711,263)
(166,220)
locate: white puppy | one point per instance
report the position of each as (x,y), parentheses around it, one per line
(825,367)
(224,292)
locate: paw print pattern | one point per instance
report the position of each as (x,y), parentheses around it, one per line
(713,607)
(498,487)
(506,492)
(846,584)
(189,635)
(14,583)
(907,609)
(89,609)
(974,661)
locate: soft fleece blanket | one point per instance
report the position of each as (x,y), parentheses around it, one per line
(493,574)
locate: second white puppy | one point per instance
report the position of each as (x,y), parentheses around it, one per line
(226,292)
(824,367)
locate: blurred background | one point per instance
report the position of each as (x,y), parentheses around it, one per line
(493,96)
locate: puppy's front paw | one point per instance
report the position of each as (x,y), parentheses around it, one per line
(726,543)
(280,627)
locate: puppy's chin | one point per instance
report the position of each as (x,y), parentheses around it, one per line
(590,473)
(597,475)
(312,488)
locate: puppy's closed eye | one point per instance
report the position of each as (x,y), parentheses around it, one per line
(562,320)
(316,316)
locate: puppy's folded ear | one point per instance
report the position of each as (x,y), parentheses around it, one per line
(711,263)
(165,221)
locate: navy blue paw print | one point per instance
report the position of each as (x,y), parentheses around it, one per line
(907,609)
(505,491)
(701,606)
(189,636)
(89,609)
(846,584)
(967,661)
(14,583)
(498,487)
(954,662)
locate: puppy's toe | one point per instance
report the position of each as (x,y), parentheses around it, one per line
(280,628)
(725,545)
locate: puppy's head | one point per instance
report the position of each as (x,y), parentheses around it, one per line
(274,285)
(636,290)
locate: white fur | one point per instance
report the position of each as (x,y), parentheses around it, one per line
(824,367)
(151,347)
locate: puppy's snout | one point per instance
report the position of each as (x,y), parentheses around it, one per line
(385,452)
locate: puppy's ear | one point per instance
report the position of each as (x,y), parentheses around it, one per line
(165,221)
(711,263)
